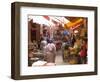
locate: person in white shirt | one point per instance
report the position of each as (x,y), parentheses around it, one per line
(43,44)
(50,52)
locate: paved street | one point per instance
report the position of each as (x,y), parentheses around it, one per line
(59,59)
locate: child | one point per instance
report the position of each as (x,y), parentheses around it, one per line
(66,53)
(83,52)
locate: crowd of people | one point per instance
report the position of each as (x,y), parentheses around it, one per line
(72,44)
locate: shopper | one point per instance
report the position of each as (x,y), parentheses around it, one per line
(43,44)
(83,52)
(50,52)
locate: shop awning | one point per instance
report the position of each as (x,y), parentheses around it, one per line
(75,24)
(41,20)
